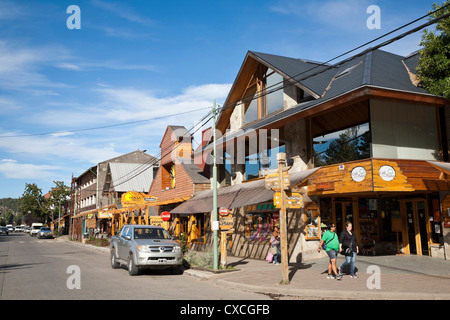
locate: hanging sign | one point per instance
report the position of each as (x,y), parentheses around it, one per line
(165,216)
(224,211)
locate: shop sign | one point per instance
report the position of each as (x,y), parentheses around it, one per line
(155,221)
(91,223)
(224,211)
(323,186)
(226,222)
(132,198)
(358,174)
(104,214)
(387,173)
(165,216)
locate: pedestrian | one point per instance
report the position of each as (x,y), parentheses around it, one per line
(275,245)
(331,241)
(348,245)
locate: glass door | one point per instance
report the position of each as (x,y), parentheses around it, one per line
(416,223)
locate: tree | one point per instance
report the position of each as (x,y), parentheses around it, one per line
(344,148)
(33,202)
(59,197)
(434,61)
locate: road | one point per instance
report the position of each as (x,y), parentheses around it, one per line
(49,269)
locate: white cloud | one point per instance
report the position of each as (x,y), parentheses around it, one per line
(123,12)
(20,68)
(12,169)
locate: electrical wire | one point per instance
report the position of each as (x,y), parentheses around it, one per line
(265,92)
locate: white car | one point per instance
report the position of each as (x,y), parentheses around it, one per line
(35,227)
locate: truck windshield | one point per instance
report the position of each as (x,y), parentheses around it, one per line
(151,233)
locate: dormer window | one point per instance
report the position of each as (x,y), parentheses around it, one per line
(264,94)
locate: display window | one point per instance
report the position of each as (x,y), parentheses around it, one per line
(259,222)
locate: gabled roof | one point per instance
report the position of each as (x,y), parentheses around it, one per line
(297,69)
(374,69)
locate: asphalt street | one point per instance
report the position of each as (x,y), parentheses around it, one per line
(48,269)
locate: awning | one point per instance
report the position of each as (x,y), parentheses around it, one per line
(443,183)
(244,194)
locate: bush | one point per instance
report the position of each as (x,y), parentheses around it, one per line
(200,259)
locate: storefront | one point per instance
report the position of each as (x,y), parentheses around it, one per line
(395,206)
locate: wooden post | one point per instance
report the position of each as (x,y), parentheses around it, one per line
(223,249)
(281,158)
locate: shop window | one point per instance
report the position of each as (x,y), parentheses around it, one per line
(258,164)
(342,146)
(312,227)
(259,222)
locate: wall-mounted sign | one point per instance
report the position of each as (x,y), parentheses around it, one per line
(358,174)
(224,212)
(387,173)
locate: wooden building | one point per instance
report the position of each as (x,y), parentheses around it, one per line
(394,183)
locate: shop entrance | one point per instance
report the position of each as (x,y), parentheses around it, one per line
(344,213)
(416,239)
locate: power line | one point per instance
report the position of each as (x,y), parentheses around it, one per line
(102,127)
(265,92)
(325,64)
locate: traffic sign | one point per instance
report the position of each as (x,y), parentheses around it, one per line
(294,200)
(272,181)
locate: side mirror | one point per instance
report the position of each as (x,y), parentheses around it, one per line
(127,237)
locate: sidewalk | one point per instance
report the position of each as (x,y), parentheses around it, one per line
(400,278)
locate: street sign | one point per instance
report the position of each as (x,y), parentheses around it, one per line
(273,181)
(294,200)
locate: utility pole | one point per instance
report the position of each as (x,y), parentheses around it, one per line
(281,158)
(215,224)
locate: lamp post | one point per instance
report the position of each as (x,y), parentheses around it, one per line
(215,226)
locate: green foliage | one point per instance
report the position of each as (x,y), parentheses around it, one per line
(434,62)
(348,147)
(33,202)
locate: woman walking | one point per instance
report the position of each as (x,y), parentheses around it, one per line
(348,245)
(332,248)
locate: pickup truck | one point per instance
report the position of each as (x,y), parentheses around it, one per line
(143,246)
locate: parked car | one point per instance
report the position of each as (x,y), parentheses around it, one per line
(45,232)
(18,229)
(142,246)
(35,228)
(4,230)
(10,227)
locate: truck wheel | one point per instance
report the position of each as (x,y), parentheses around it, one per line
(114,263)
(132,268)
(177,270)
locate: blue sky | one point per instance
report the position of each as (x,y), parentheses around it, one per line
(141,60)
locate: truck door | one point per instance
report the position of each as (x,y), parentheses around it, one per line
(122,248)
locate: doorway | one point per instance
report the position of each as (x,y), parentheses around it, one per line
(416,239)
(344,213)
